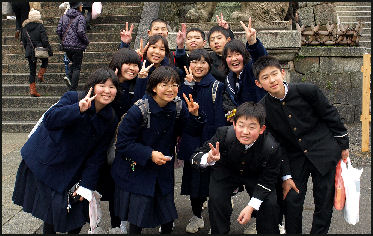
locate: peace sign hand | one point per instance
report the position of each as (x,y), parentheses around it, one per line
(189,76)
(250,32)
(192,105)
(126,35)
(222,22)
(85,103)
(142,50)
(214,153)
(144,70)
(180,37)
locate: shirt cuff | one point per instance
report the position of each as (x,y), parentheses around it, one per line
(180,52)
(85,192)
(204,163)
(255,203)
(286,177)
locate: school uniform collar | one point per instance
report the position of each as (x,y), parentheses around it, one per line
(286,92)
(206,80)
(155,108)
(105,112)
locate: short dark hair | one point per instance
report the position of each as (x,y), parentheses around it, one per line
(157,20)
(100,76)
(124,56)
(75,5)
(162,74)
(236,45)
(154,39)
(251,109)
(196,30)
(218,29)
(198,54)
(265,61)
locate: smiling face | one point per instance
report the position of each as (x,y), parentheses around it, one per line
(235,62)
(158,28)
(156,52)
(165,92)
(271,79)
(194,40)
(199,68)
(105,93)
(129,71)
(247,129)
(217,42)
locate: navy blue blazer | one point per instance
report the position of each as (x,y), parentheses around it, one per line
(243,89)
(70,146)
(202,94)
(135,142)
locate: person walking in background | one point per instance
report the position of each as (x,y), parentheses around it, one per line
(34,35)
(21,10)
(65,6)
(71,30)
(87,7)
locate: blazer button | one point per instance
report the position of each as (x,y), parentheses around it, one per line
(283,103)
(300,140)
(289,116)
(243,163)
(295,128)
(305,151)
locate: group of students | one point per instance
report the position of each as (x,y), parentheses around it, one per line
(163,107)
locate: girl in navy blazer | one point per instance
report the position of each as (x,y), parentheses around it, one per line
(68,147)
(208,93)
(143,168)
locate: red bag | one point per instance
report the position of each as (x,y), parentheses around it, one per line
(340,194)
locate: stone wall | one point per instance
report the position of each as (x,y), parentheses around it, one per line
(317,13)
(337,71)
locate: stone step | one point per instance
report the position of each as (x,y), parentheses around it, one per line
(354,18)
(17,126)
(109,19)
(352,8)
(353,13)
(50,78)
(366,24)
(352,3)
(366,44)
(43,89)
(92,47)
(24,114)
(58,57)
(28,102)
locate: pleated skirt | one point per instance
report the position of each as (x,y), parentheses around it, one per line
(195,181)
(46,204)
(144,211)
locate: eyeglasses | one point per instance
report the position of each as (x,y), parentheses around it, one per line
(171,86)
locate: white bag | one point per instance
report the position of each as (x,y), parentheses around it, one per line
(95,214)
(351,179)
(96,9)
(7,9)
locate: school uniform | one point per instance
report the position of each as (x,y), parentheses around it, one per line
(144,192)
(242,88)
(195,182)
(256,166)
(68,147)
(309,128)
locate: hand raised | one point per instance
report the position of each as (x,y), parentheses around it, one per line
(214,153)
(222,22)
(189,76)
(144,70)
(85,103)
(192,106)
(250,32)
(140,51)
(126,35)
(180,37)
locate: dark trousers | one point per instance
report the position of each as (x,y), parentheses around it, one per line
(197,204)
(220,208)
(32,66)
(165,228)
(323,194)
(21,10)
(76,57)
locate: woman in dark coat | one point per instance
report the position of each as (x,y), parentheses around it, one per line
(34,35)
(68,147)
(71,30)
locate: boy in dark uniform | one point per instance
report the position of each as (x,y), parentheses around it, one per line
(245,154)
(310,130)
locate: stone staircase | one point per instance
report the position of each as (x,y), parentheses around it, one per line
(350,13)
(20,111)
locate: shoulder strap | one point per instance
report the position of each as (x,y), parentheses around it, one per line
(30,39)
(143,104)
(179,106)
(214,89)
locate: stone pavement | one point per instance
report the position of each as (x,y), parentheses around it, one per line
(15,221)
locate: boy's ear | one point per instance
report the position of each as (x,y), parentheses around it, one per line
(258,83)
(149,33)
(228,39)
(262,129)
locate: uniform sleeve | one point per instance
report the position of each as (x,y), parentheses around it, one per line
(129,131)
(326,112)
(256,50)
(220,119)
